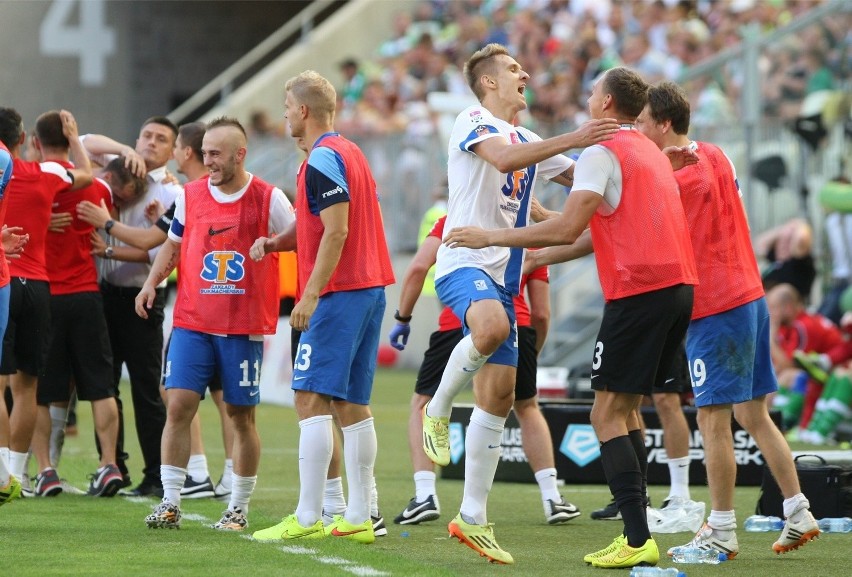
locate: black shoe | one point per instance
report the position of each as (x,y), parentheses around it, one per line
(379,528)
(608,513)
(560,512)
(144,490)
(193,489)
(417,512)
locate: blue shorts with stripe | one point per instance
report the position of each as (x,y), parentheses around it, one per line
(729,356)
(337,354)
(195,357)
(464,286)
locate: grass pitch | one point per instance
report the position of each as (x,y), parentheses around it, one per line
(75,535)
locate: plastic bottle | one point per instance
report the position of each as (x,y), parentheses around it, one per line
(696,555)
(761,524)
(656,572)
(835,525)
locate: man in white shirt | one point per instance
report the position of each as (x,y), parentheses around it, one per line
(138,342)
(491,171)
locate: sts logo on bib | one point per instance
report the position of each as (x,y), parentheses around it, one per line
(223,268)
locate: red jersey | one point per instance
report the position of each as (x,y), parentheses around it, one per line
(448,321)
(812,333)
(4,266)
(643,245)
(70,264)
(364,261)
(222,290)
(30,196)
(727,269)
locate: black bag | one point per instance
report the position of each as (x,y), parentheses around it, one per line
(827,486)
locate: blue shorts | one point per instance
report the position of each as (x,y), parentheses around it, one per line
(195,357)
(729,356)
(464,286)
(337,354)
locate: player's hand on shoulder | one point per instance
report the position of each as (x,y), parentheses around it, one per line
(467,237)
(595,130)
(59,221)
(680,156)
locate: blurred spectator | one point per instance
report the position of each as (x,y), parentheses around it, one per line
(787,248)
(353,82)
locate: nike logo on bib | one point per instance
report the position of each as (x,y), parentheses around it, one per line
(215,231)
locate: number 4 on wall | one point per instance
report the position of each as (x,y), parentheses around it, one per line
(89,38)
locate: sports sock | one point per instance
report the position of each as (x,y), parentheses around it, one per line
(637,439)
(58,418)
(17,464)
(359,454)
(624,477)
(4,457)
(241,490)
(197,468)
(723,523)
(546,479)
(315,440)
(374,499)
(333,501)
(794,507)
(173,479)
(227,472)
(464,362)
(482,453)
(424,485)
(4,474)
(679,476)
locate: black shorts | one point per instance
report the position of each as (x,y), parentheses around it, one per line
(215,383)
(79,350)
(678,380)
(28,332)
(442,343)
(639,340)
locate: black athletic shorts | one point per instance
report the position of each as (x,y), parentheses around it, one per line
(639,339)
(28,332)
(442,343)
(79,350)
(678,380)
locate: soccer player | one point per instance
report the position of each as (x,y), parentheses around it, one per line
(343,268)
(728,339)
(225,304)
(491,173)
(625,191)
(533,321)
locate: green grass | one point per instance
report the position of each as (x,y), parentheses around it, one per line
(71,535)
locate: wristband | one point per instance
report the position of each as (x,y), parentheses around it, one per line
(108,226)
(400,318)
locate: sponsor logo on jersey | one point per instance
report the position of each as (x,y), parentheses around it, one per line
(223,268)
(337,190)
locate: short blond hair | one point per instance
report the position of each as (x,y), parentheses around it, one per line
(481,62)
(314,91)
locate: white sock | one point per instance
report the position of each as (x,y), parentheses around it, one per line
(4,474)
(333,501)
(482,453)
(374,499)
(359,454)
(546,479)
(173,479)
(4,457)
(227,472)
(17,464)
(197,468)
(424,485)
(723,523)
(315,441)
(241,490)
(795,505)
(679,475)
(464,362)
(58,419)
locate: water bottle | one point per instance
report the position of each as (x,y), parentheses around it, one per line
(696,555)
(656,572)
(835,525)
(761,524)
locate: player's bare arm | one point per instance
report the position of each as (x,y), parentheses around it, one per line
(507,157)
(284,241)
(164,263)
(82,173)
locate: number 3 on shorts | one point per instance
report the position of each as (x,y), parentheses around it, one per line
(303,359)
(596,360)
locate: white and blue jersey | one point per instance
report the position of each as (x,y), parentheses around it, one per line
(482,196)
